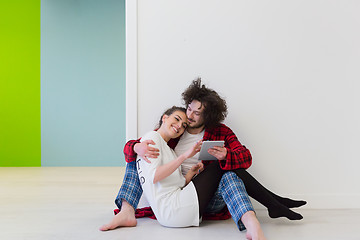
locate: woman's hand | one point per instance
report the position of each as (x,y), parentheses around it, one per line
(196,169)
(165,170)
(193,150)
(145,151)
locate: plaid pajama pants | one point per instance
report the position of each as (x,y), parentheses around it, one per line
(231,193)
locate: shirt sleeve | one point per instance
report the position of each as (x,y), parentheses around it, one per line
(238,156)
(130,154)
(155,162)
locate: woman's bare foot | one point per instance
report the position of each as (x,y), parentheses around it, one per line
(125,218)
(254,231)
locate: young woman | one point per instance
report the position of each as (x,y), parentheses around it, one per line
(176,200)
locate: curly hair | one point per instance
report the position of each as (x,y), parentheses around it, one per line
(215,108)
(170,111)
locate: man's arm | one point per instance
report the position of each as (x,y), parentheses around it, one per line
(130,154)
(135,147)
(238,156)
(234,155)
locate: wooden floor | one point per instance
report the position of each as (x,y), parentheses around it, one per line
(72,203)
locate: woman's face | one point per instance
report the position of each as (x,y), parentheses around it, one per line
(175,124)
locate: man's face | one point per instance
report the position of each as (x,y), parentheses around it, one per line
(195,114)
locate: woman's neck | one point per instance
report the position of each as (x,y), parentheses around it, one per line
(163,135)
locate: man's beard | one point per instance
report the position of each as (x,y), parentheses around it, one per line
(198,125)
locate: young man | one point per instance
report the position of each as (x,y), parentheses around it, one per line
(205,110)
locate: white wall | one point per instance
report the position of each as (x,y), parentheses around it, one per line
(288,71)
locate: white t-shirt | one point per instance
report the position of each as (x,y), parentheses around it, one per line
(186,141)
(173,205)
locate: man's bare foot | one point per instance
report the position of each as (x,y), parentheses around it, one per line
(255,235)
(125,218)
(254,231)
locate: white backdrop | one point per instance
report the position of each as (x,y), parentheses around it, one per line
(289,71)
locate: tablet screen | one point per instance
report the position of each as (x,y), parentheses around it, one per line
(204,155)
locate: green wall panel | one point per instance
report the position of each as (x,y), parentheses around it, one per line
(20,143)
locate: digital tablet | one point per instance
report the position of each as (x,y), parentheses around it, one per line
(206,145)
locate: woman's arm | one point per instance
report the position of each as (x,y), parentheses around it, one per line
(194,170)
(167,169)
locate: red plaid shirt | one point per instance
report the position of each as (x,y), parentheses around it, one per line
(238,156)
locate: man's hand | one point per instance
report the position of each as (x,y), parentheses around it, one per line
(145,151)
(218,152)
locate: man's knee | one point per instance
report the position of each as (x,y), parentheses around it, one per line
(231,177)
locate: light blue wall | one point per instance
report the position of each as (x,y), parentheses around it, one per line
(82,82)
